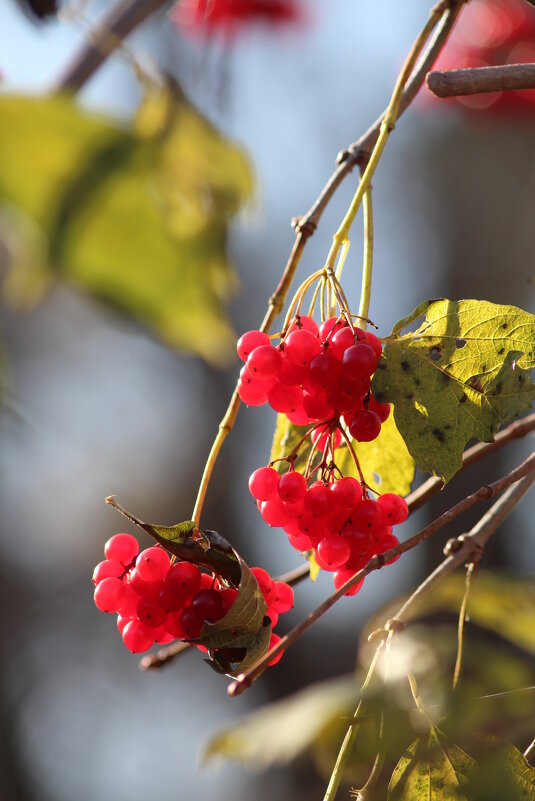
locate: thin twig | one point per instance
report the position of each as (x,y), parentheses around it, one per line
(465,548)
(514,431)
(527,468)
(116,27)
(454,83)
(460,626)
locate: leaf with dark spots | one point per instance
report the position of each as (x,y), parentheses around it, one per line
(209,550)
(471,391)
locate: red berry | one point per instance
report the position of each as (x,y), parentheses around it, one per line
(341,576)
(153,564)
(292,487)
(209,605)
(332,552)
(263,483)
(301,347)
(364,425)
(274,640)
(122,547)
(284,398)
(110,568)
(306,323)
(394,507)
(359,361)
(108,594)
(249,341)
(347,492)
(137,637)
(265,362)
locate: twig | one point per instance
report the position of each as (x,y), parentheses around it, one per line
(479,80)
(514,431)
(466,548)
(164,656)
(460,626)
(359,152)
(527,468)
(116,27)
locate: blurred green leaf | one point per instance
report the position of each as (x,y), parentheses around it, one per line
(431,770)
(286,438)
(498,603)
(504,774)
(283,730)
(136,217)
(463,373)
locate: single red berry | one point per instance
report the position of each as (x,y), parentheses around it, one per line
(108,594)
(340,578)
(301,347)
(364,425)
(292,487)
(265,362)
(394,507)
(122,547)
(110,568)
(263,483)
(137,637)
(332,552)
(249,341)
(153,564)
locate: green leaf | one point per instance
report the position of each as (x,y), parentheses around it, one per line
(210,550)
(461,375)
(503,775)
(243,621)
(386,464)
(431,770)
(283,730)
(136,217)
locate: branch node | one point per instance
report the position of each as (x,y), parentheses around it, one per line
(304,226)
(394,625)
(453,545)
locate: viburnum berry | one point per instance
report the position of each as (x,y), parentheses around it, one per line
(152,564)
(263,483)
(292,487)
(121,547)
(249,341)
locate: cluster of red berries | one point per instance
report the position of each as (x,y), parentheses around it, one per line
(320,376)
(157,602)
(229,16)
(315,374)
(334,519)
(490,33)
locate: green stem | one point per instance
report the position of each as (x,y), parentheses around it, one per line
(349,739)
(366,287)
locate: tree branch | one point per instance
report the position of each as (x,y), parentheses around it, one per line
(504,78)
(116,27)
(516,430)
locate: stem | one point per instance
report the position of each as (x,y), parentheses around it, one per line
(116,27)
(473,454)
(349,739)
(526,469)
(460,626)
(366,288)
(503,78)
(276,302)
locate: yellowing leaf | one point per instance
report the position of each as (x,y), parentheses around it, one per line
(283,730)
(386,464)
(431,770)
(461,375)
(138,218)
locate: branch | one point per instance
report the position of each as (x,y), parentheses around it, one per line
(514,431)
(527,468)
(454,83)
(116,27)
(467,548)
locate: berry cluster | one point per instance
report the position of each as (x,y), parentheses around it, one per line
(315,374)
(229,16)
(157,602)
(319,376)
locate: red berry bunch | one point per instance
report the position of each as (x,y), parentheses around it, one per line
(315,375)
(319,376)
(231,15)
(158,602)
(490,33)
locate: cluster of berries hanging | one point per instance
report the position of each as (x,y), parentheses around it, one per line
(158,602)
(319,377)
(491,33)
(229,16)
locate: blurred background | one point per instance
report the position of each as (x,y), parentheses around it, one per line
(94,404)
